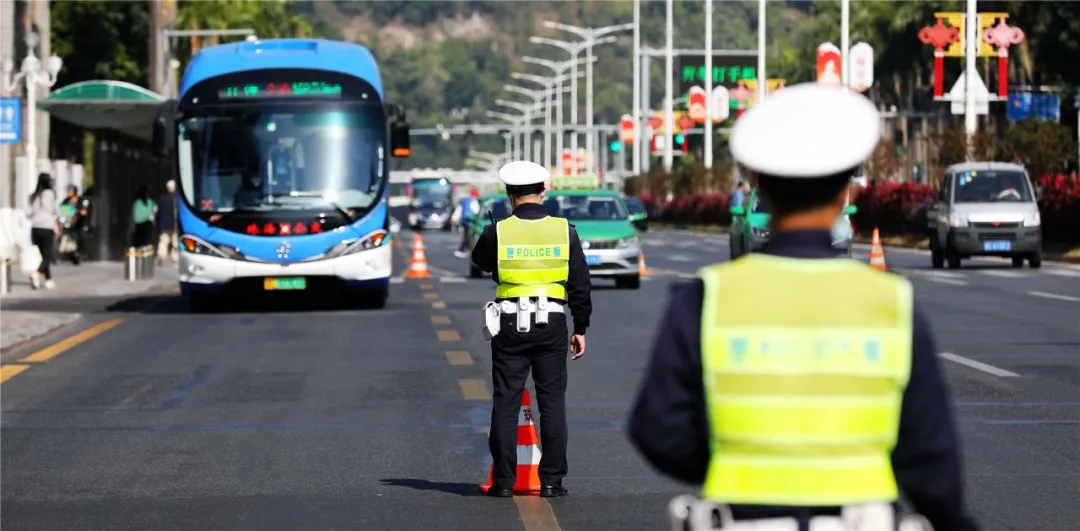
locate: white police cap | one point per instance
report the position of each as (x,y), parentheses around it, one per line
(523,173)
(806,131)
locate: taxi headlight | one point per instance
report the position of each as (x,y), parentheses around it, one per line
(759,232)
(956,220)
(1032,220)
(195,245)
(347,247)
(626,243)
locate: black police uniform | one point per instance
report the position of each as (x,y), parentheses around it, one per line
(669,426)
(544,349)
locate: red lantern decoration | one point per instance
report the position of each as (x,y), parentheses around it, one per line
(940,37)
(1001,36)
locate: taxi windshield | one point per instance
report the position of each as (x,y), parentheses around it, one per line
(585,207)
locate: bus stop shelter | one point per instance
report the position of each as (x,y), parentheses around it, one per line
(121,116)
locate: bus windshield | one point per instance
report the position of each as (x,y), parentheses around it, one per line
(266,157)
(432,192)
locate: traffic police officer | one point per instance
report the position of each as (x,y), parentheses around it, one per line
(540,269)
(794,385)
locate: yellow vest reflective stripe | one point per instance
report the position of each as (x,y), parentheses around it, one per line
(805,364)
(534,257)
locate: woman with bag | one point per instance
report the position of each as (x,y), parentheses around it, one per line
(142,214)
(44,214)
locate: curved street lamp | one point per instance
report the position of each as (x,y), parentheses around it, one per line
(558,68)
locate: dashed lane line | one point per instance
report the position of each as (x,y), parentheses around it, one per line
(448,335)
(1054,296)
(536,513)
(438,305)
(458,357)
(440,319)
(430,295)
(978,365)
(474,389)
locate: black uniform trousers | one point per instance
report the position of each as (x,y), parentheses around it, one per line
(544,350)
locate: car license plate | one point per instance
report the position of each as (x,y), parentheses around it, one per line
(997,246)
(284,283)
(592,259)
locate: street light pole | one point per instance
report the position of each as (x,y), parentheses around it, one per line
(845,42)
(971,39)
(762,79)
(511,138)
(526,111)
(549,84)
(31,73)
(540,97)
(590,37)
(558,67)
(669,73)
(636,164)
(708,85)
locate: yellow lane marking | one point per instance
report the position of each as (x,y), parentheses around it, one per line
(459,357)
(440,319)
(448,335)
(474,389)
(9,371)
(52,351)
(431,295)
(438,305)
(426,286)
(536,514)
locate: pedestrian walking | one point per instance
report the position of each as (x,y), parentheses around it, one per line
(142,215)
(44,214)
(539,267)
(166,224)
(470,209)
(801,390)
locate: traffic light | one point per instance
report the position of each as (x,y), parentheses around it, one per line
(681,143)
(616,146)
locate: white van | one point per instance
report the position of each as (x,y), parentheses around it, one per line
(985,209)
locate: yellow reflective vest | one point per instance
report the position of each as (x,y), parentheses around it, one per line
(534,257)
(805,364)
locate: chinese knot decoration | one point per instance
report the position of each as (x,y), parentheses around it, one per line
(1001,36)
(940,37)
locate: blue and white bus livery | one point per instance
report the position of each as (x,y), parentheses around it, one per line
(281,153)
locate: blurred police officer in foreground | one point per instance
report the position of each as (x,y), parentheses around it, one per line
(792,385)
(540,269)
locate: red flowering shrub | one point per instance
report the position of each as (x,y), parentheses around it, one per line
(893,208)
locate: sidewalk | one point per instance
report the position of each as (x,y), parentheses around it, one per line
(85,281)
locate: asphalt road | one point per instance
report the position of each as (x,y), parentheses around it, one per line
(143,416)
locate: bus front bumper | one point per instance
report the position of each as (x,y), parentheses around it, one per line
(365,270)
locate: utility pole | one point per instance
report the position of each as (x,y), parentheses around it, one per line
(845,43)
(971,49)
(762,79)
(636,164)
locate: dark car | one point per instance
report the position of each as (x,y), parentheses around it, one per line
(638,215)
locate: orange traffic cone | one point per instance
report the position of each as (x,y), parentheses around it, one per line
(418,268)
(528,453)
(642,270)
(877,253)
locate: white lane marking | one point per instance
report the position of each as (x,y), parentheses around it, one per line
(939,274)
(679,258)
(1054,296)
(951,281)
(978,365)
(1062,273)
(453,280)
(397,280)
(1006,274)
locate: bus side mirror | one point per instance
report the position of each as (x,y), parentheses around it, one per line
(164,133)
(399,139)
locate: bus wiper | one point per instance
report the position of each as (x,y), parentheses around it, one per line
(334,204)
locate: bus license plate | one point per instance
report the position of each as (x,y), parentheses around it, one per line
(592,259)
(997,246)
(283,283)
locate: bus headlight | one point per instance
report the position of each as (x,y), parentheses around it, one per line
(370,241)
(193,245)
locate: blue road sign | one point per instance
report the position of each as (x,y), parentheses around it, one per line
(10,120)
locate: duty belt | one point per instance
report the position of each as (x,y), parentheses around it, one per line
(688,513)
(524,306)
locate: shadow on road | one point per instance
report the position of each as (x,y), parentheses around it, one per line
(461,489)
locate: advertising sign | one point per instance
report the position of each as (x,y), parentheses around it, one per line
(828,64)
(862,67)
(727,71)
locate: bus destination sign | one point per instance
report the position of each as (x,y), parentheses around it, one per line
(297,89)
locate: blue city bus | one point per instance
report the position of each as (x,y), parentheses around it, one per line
(280,150)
